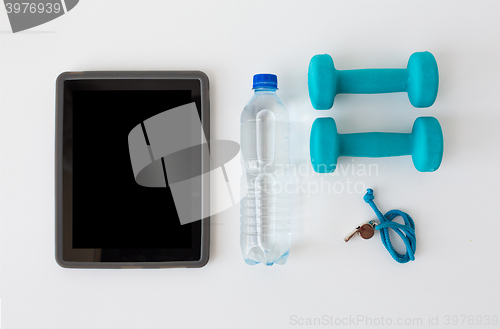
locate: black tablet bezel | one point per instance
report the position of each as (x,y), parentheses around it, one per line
(66,255)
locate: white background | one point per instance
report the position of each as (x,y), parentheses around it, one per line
(455,208)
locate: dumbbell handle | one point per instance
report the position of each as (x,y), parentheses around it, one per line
(375,144)
(372,81)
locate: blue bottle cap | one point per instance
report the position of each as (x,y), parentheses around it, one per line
(265,80)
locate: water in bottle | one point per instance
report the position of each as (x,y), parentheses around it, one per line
(265,147)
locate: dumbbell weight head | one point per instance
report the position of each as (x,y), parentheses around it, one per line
(428,144)
(423,79)
(322,81)
(324,145)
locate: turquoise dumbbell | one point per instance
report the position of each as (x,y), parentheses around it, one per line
(424,144)
(420,80)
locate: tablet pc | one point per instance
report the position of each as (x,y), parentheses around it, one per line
(104,218)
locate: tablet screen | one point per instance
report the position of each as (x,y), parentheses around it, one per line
(109,210)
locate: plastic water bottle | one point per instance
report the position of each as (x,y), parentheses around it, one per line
(265,147)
